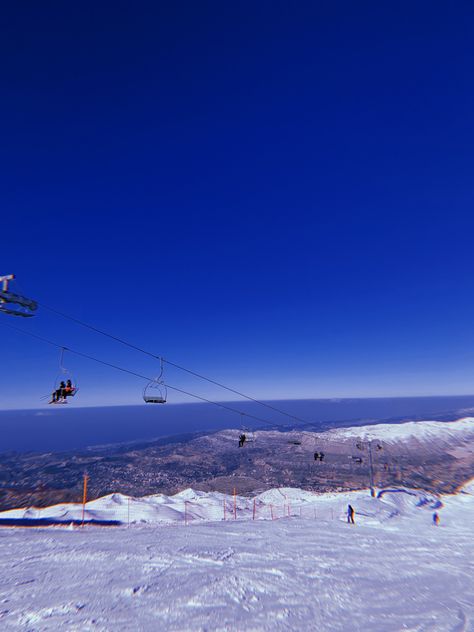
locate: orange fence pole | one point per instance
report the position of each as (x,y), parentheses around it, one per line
(253,517)
(185,512)
(235,504)
(84,498)
(128,511)
(271,511)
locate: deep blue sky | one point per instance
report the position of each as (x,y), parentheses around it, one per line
(279,195)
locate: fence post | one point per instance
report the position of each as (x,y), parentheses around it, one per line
(224,509)
(289,511)
(235,503)
(185,513)
(84,498)
(253,517)
(128,512)
(271,511)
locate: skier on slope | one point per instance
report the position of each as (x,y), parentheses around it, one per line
(436,519)
(350,514)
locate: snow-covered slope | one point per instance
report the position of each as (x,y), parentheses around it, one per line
(283,560)
(392,571)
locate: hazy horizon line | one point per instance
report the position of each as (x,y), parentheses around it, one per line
(241,401)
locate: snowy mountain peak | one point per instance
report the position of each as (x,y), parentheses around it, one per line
(462,429)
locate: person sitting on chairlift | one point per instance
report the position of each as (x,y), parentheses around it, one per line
(58,393)
(69,389)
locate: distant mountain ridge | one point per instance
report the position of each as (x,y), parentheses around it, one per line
(454,431)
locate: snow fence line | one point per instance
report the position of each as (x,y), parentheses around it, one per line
(190,506)
(185,508)
(193,511)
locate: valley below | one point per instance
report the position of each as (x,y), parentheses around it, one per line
(431,455)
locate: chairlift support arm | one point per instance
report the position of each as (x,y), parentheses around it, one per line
(4,280)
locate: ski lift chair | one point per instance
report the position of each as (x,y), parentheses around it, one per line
(64,376)
(155,392)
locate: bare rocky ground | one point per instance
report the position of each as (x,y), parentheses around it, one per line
(214,462)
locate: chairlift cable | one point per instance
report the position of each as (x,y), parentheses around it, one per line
(144,377)
(173,364)
(139,375)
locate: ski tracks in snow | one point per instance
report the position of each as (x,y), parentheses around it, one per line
(290,574)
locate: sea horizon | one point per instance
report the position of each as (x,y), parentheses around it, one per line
(68,428)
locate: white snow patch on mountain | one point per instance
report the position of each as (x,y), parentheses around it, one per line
(462,429)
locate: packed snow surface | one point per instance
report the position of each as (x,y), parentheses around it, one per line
(179,566)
